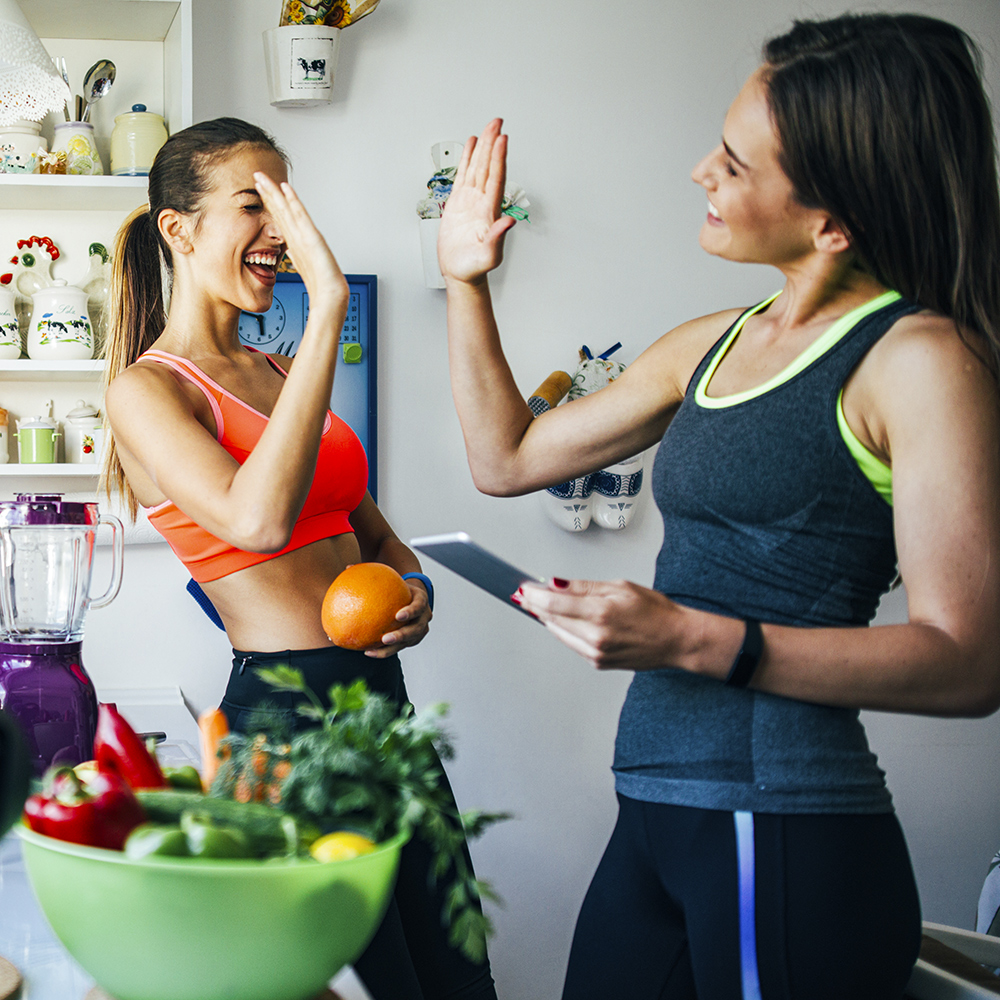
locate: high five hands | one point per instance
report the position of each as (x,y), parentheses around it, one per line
(470,241)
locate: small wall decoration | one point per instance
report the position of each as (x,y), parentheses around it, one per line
(446,157)
(300,54)
(607,497)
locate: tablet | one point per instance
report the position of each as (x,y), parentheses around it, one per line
(462,555)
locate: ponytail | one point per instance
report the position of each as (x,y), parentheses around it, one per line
(137,318)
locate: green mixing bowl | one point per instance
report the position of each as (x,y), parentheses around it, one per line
(183,929)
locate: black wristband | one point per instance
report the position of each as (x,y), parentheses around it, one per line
(748,657)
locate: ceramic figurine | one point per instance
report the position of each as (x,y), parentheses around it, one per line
(31,271)
(96,283)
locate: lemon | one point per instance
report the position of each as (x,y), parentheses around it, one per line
(340,845)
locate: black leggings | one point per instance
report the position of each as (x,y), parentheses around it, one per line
(410,957)
(836,909)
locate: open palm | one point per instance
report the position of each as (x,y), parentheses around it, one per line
(470,241)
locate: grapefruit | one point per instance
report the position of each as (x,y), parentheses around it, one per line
(360,605)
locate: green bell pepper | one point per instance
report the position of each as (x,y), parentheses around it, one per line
(205,839)
(156,839)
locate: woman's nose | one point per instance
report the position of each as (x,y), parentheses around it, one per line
(271,228)
(703,171)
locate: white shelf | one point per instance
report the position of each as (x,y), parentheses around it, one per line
(25,370)
(72,192)
(127,20)
(50,470)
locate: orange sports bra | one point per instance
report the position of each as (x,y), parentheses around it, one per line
(338,485)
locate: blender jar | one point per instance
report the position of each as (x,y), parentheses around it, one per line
(46,560)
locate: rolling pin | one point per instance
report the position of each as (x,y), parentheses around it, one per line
(549,393)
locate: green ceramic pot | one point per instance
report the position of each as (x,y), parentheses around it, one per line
(186,929)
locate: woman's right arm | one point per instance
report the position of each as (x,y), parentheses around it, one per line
(510,451)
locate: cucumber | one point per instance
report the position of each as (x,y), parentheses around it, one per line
(265,826)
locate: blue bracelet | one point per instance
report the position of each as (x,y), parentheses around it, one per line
(426,581)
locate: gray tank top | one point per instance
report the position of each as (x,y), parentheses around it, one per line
(766,515)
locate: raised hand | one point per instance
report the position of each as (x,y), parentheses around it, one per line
(470,241)
(313,259)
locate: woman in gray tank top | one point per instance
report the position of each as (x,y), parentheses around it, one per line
(812,446)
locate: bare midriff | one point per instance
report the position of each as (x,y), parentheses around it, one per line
(275,605)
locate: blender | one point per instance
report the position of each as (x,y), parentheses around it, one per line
(46,560)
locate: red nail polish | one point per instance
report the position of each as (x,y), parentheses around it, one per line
(516,597)
(560,583)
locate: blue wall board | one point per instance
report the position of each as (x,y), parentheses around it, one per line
(354,398)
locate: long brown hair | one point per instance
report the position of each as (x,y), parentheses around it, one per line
(884,122)
(142,268)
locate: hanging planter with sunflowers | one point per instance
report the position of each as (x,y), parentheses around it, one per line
(301,53)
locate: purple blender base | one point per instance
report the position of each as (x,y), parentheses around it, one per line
(45,687)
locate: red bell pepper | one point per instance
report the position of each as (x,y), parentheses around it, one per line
(118,748)
(100,813)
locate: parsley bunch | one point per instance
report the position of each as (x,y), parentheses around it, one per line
(370,767)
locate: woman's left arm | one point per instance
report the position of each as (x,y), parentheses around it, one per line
(379,543)
(931,408)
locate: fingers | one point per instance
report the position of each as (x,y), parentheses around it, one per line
(394,641)
(481,156)
(463,164)
(496,179)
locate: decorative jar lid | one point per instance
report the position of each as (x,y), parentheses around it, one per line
(82,410)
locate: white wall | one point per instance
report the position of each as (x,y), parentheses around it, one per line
(608,107)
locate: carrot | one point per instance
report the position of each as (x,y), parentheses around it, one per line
(212,726)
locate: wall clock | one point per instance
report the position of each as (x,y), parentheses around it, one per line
(259,329)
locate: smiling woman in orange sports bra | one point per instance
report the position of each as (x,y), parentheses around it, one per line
(241,466)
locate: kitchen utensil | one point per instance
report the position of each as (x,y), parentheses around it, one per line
(135,141)
(76,140)
(60,328)
(60,64)
(96,84)
(83,426)
(177,929)
(46,561)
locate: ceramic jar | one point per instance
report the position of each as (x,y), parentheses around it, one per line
(60,328)
(83,433)
(10,334)
(135,141)
(36,440)
(76,140)
(18,145)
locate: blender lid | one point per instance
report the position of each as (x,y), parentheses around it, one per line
(46,508)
